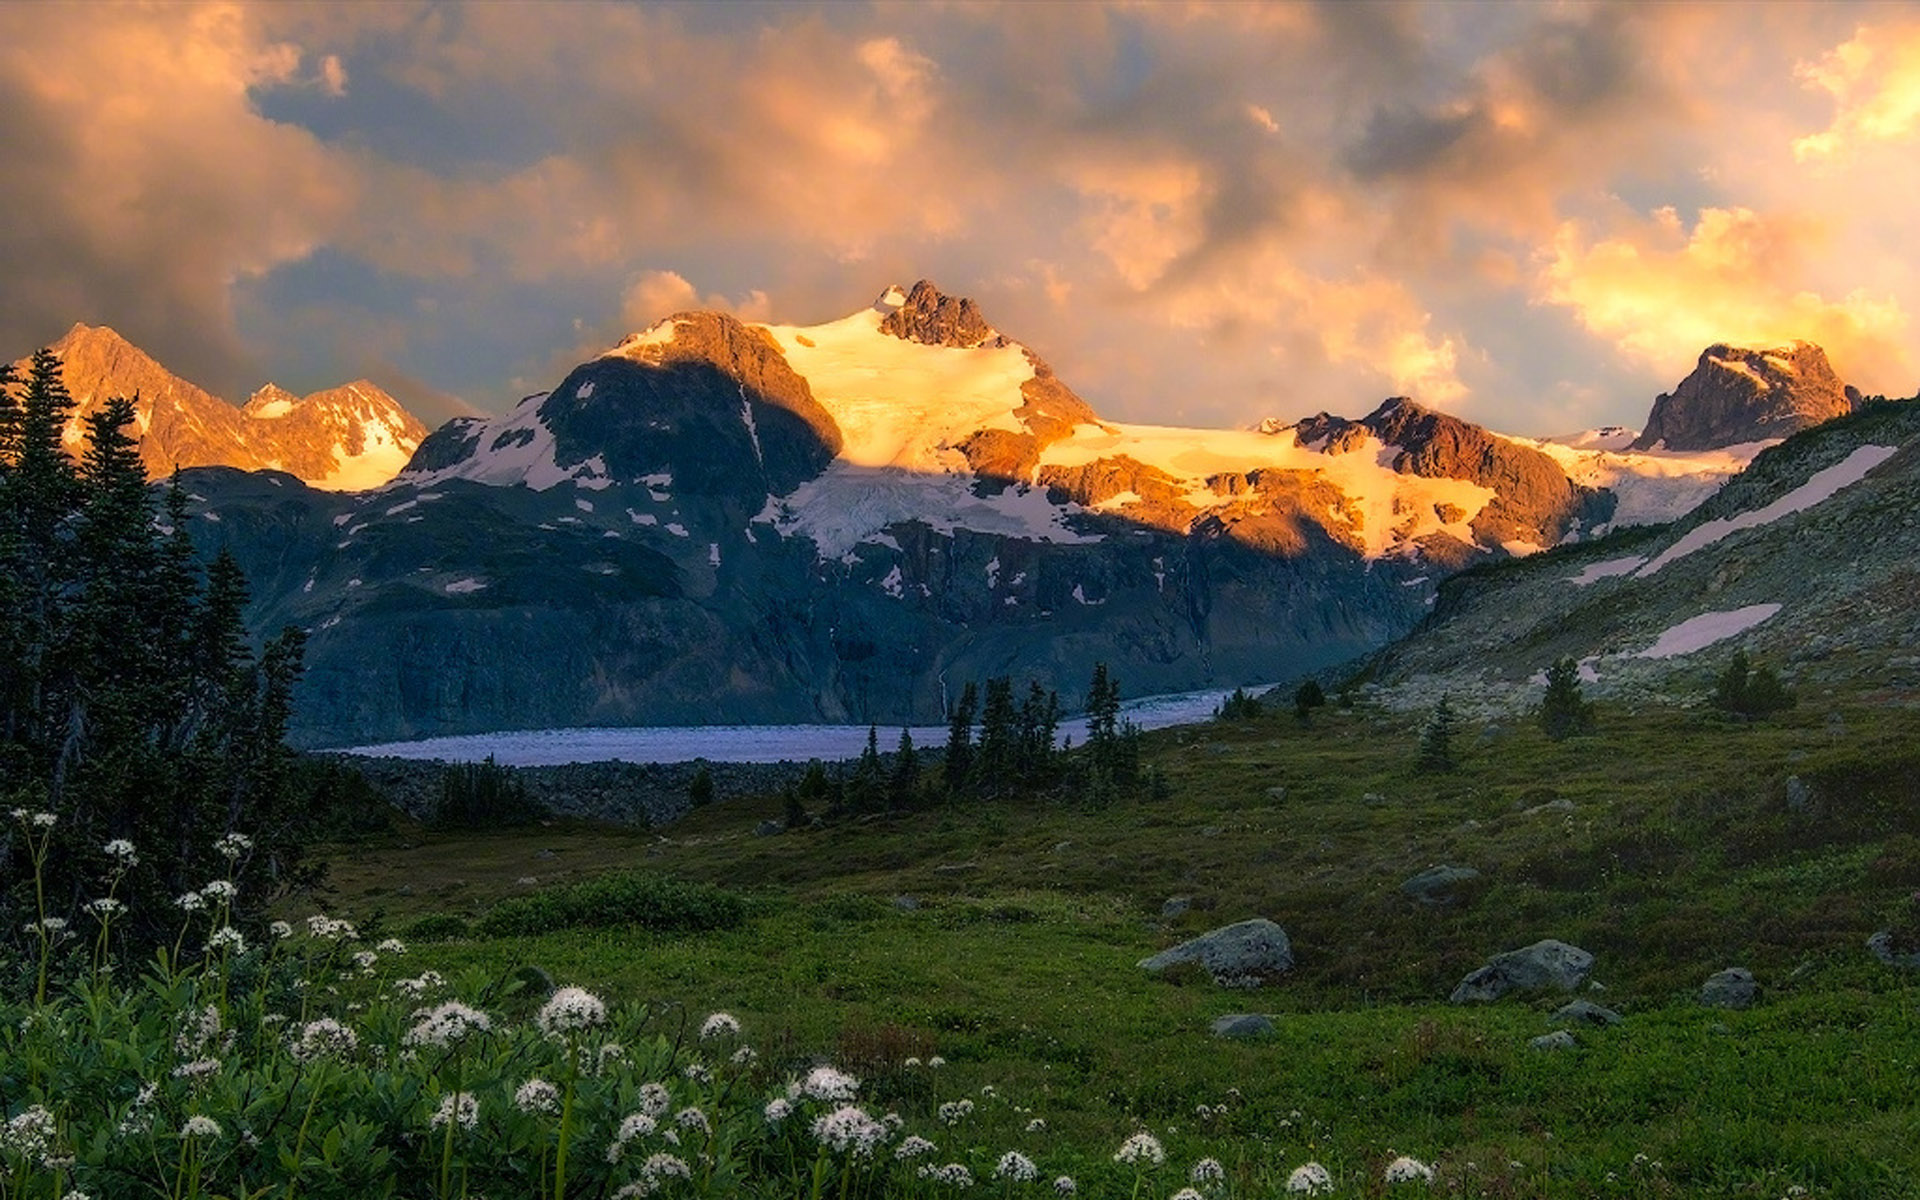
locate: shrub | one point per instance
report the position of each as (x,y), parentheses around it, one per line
(1307,697)
(484,795)
(1238,707)
(1436,739)
(1744,690)
(438,927)
(649,901)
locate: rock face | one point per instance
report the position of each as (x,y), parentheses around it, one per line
(346,438)
(1737,395)
(1545,965)
(1243,955)
(933,318)
(1732,988)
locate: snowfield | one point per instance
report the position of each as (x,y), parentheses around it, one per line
(1697,633)
(742,743)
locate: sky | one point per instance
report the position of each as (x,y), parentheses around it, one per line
(1535,216)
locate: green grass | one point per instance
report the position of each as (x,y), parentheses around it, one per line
(1680,856)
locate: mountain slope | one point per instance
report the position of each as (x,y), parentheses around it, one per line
(342,439)
(1747,394)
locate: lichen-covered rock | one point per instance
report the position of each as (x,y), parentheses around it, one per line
(1559,1039)
(1244,954)
(1732,988)
(1437,886)
(1242,1025)
(1586,1012)
(1544,966)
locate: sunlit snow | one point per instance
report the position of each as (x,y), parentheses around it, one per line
(1697,633)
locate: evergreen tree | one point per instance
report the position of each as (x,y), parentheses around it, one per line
(905,778)
(1307,697)
(794,811)
(1038,726)
(958,765)
(700,787)
(866,790)
(1436,739)
(1744,690)
(1564,713)
(995,758)
(1238,707)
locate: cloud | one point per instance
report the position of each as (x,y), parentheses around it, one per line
(1874,79)
(655,295)
(1662,291)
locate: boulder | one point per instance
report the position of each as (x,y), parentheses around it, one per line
(1244,954)
(1731,988)
(1242,1025)
(1175,906)
(1437,886)
(906,903)
(1543,966)
(1559,1039)
(1799,795)
(1884,948)
(769,828)
(1586,1012)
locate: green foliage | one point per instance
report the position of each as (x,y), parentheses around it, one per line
(904,780)
(700,787)
(648,901)
(1238,707)
(1564,713)
(1307,697)
(484,795)
(957,766)
(1436,739)
(1751,692)
(438,927)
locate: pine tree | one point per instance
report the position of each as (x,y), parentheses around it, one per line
(905,778)
(700,787)
(1307,697)
(1038,726)
(867,787)
(995,758)
(957,767)
(1748,691)
(1564,713)
(1436,739)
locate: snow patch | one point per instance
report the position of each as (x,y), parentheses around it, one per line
(403,506)
(1819,487)
(461,587)
(1080,595)
(713,554)
(892,584)
(1593,573)
(993,573)
(583,391)
(1697,633)
(271,410)
(677,529)
(640,518)
(583,505)
(1741,368)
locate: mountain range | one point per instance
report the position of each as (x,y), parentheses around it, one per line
(723,521)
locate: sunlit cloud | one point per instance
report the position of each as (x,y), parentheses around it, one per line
(1874,79)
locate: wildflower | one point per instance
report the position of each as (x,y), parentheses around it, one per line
(825,1083)
(698,1072)
(461,1108)
(446,1024)
(913,1146)
(37,820)
(1037,1125)
(198,1068)
(777,1110)
(955,1111)
(655,1099)
(955,1174)
(221,890)
(611,1055)
(1187,1193)
(190,901)
(936,1062)
(31,1133)
(226,938)
(200,1027)
(1207,1170)
(1065,1186)
(332,929)
(912,1061)
(719,1025)
(324,1038)
(850,1130)
(635,1125)
(1141,1147)
(49,927)
(121,851)
(391,946)
(199,1127)
(233,846)
(1310,1179)
(570,1009)
(536,1096)
(1017,1167)
(744,1056)
(1409,1170)
(418,987)
(894,1122)
(666,1166)
(138,1118)
(692,1118)
(106,907)
(280,930)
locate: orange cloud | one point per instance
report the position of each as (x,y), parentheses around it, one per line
(1874,78)
(1662,291)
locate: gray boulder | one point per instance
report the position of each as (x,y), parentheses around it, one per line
(1244,954)
(906,903)
(1545,965)
(1799,795)
(1884,949)
(1586,1012)
(1731,988)
(1175,906)
(769,828)
(1559,1039)
(1242,1025)
(1438,886)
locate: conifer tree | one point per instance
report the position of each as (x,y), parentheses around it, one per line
(700,787)
(1564,713)
(995,757)
(1436,738)
(957,767)
(1038,726)
(867,786)
(905,777)
(1307,697)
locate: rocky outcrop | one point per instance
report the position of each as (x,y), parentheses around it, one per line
(1737,394)
(354,436)
(1243,955)
(933,318)
(1545,965)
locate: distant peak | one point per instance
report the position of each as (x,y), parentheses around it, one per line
(83,334)
(927,315)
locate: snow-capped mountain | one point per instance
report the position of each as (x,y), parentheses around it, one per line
(723,521)
(1740,394)
(342,439)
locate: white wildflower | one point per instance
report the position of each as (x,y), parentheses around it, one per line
(1065,1186)
(849,1130)
(1207,1170)
(536,1096)
(635,1125)
(461,1108)
(323,1038)
(420,986)
(655,1099)
(446,1024)
(955,1111)
(719,1025)
(190,901)
(1187,1193)
(31,1133)
(1409,1170)
(121,851)
(226,938)
(233,846)
(912,1061)
(198,1028)
(778,1110)
(692,1118)
(913,1146)
(106,907)
(1037,1125)
(1310,1179)
(1141,1147)
(198,1068)
(611,1055)
(38,820)
(280,930)
(744,1056)
(936,1062)
(570,1009)
(331,929)
(952,1174)
(666,1166)
(391,946)
(825,1083)
(199,1127)
(220,890)
(50,927)
(698,1072)
(1017,1167)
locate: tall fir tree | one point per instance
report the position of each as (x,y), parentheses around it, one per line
(1564,712)
(957,767)
(1436,739)
(904,780)
(995,758)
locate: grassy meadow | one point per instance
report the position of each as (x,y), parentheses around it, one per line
(1002,938)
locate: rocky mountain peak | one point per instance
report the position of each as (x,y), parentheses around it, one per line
(1739,394)
(270,400)
(927,315)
